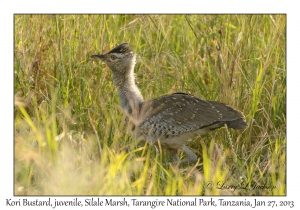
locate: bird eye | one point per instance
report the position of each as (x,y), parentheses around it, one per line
(113,57)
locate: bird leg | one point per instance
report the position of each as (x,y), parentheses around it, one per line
(175,154)
(192,158)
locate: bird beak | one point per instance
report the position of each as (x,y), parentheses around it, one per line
(99,56)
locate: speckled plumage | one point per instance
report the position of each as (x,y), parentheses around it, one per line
(173,119)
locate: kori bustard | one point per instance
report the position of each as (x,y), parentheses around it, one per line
(170,119)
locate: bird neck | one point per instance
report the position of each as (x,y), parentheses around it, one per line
(129,95)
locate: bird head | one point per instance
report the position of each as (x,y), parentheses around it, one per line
(120,60)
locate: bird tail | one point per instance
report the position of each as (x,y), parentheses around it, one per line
(239,124)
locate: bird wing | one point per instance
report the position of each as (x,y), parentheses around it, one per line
(174,114)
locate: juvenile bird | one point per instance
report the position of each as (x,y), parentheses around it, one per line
(171,119)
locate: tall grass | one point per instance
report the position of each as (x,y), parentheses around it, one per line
(70,135)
